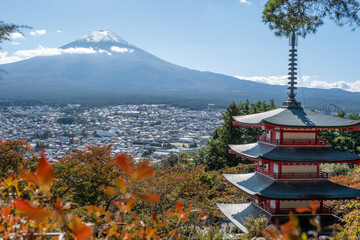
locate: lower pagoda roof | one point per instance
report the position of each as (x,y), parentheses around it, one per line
(293,154)
(237,214)
(256,184)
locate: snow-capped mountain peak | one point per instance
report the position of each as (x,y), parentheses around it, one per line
(103,36)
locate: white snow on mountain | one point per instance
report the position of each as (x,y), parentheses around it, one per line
(103,36)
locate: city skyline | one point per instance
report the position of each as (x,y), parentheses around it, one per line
(219,36)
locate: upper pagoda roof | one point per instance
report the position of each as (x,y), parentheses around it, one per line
(293,154)
(256,184)
(294,117)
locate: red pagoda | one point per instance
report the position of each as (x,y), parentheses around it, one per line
(289,155)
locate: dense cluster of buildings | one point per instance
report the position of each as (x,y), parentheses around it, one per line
(152,131)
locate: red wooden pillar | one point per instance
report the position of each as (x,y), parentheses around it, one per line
(277,206)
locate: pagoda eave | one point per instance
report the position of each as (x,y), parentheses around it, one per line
(267,125)
(294,154)
(256,184)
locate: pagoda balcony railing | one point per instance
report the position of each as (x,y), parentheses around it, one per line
(314,142)
(266,207)
(274,175)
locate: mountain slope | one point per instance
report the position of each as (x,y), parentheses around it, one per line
(118,71)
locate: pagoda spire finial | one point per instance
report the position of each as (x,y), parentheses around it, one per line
(291,102)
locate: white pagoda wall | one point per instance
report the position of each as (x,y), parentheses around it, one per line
(297,135)
(294,204)
(299,169)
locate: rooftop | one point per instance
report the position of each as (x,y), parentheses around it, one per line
(295,117)
(293,154)
(257,184)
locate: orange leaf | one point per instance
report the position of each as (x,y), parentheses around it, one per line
(122,162)
(110,191)
(28,176)
(153,197)
(289,226)
(80,230)
(121,184)
(314,206)
(143,171)
(302,209)
(179,207)
(44,173)
(33,212)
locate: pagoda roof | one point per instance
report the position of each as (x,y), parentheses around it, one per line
(237,213)
(293,154)
(295,117)
(260,185)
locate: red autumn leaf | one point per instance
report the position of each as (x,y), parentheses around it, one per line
(143,171)
(123,163)
(302,209)
(80,230)
(27,209)
(154,217)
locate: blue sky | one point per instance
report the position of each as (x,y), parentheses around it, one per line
(223,36)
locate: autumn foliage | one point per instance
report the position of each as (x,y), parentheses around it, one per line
(30,209)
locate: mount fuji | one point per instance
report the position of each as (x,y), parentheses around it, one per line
(101,67)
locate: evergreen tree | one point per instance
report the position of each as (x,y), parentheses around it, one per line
(216,153)
(302,17)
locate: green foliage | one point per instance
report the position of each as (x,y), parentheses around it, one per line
(84,175)
(216,153)
(336,169)
(304,17)
(72,120)
(15,155)
(6,29)
(255,226)
(43,135)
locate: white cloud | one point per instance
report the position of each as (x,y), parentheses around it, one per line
(42,51)
(59,31)
(348,86)
(16,35)
(5,59)
(15,43)
(121,50)
(38,32)
(307,81)
(245,1)
(273,80)
(104,51)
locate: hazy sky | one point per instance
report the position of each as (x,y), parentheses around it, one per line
(223,36)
